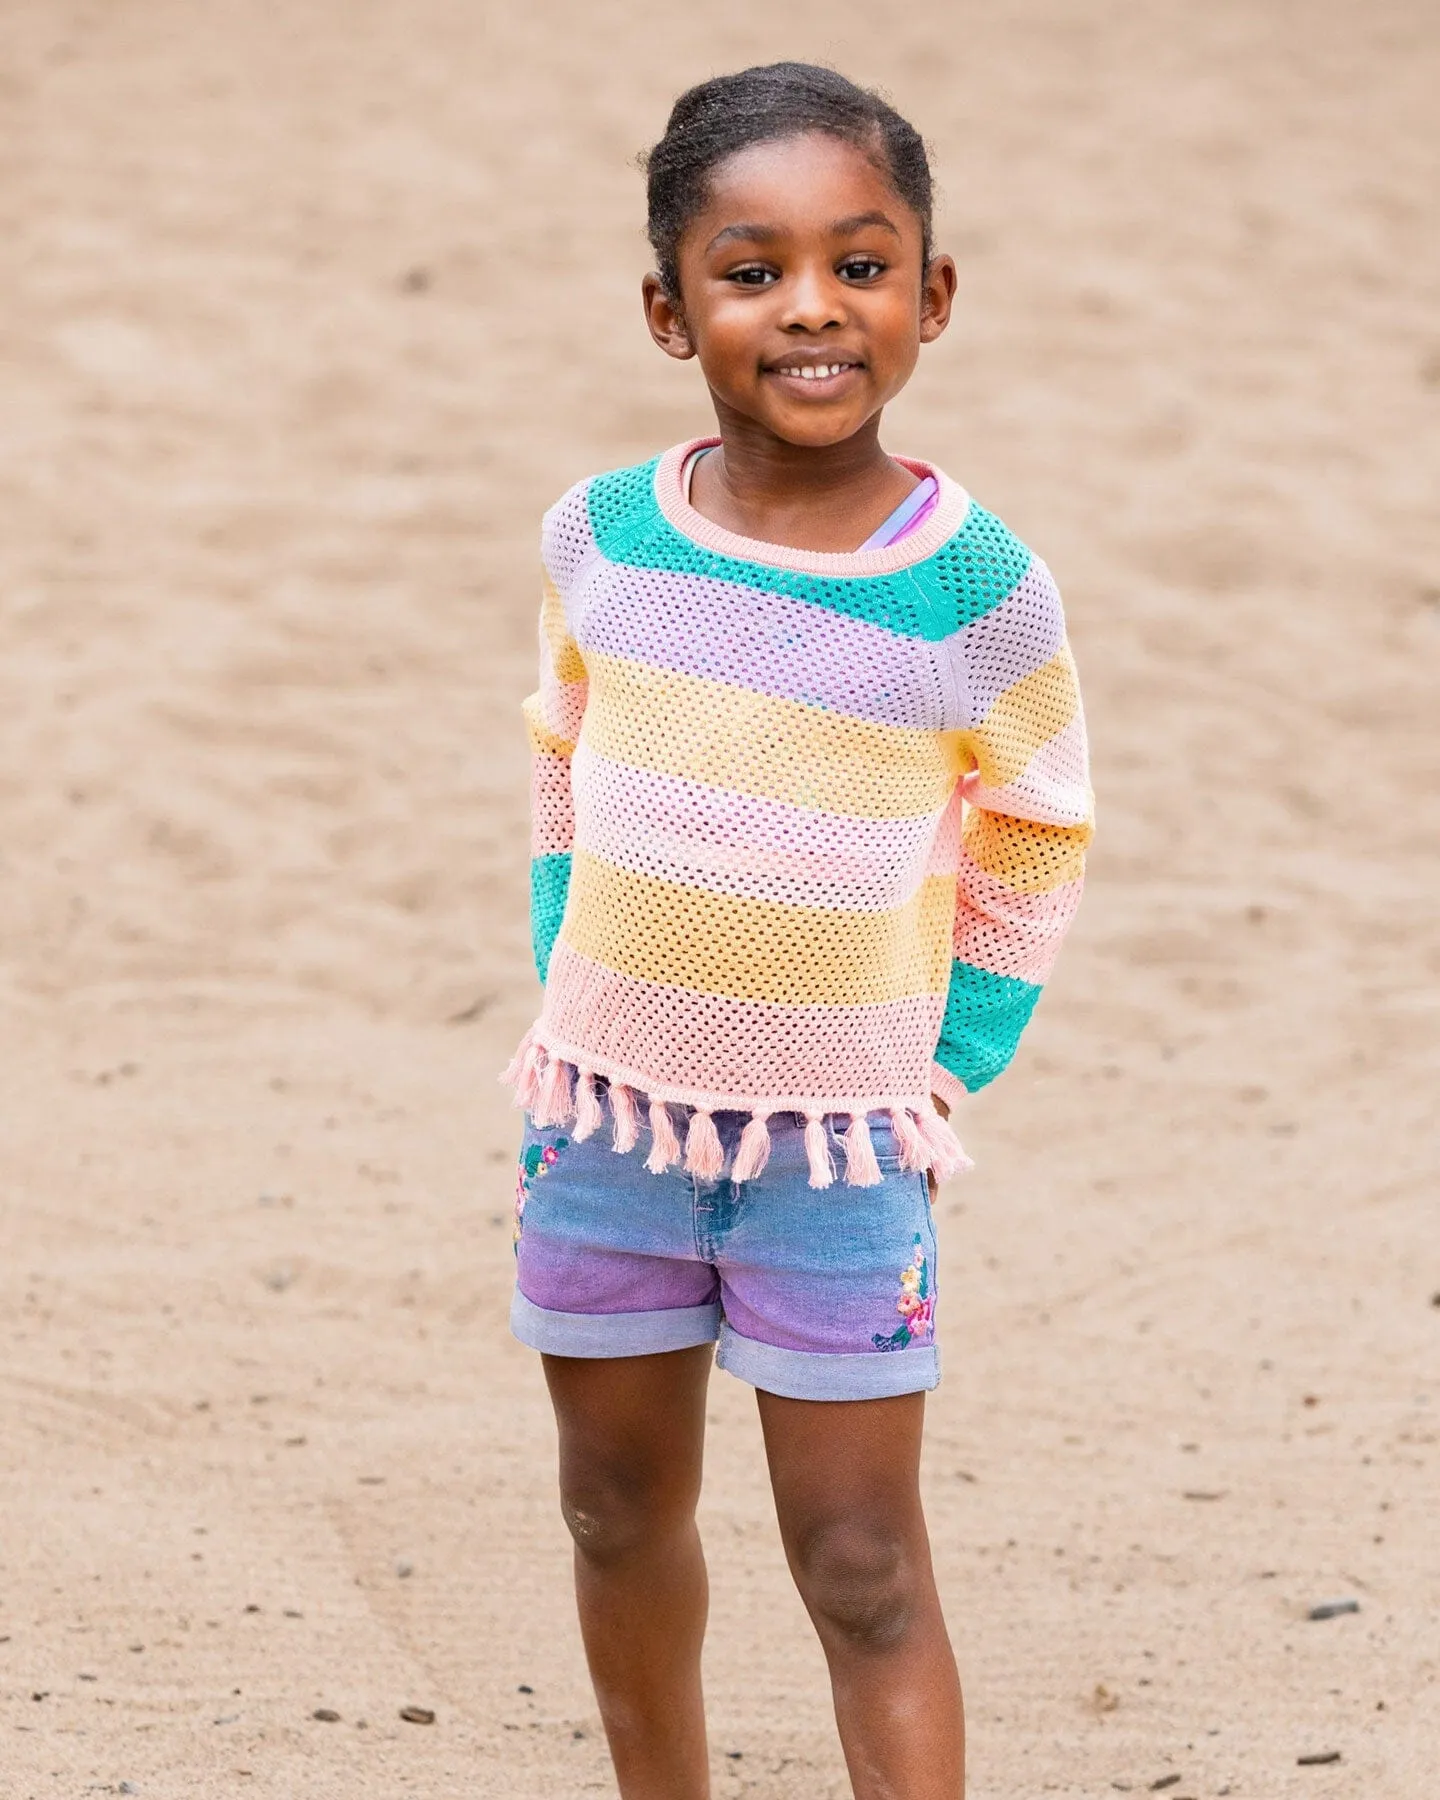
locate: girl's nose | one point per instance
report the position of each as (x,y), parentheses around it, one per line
(815,304)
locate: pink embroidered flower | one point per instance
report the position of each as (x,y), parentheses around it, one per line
(915,1305)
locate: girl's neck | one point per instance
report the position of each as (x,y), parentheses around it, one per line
(829,497)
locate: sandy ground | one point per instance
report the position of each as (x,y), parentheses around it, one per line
(309,309)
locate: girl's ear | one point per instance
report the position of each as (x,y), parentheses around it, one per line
(665,320)
(937,296)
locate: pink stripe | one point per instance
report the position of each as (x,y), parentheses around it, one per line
(945,847)
(562,703)
(552,810)
(653,1037)
(701,836)
(1008,933)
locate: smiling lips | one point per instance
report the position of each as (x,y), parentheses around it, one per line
(814,371)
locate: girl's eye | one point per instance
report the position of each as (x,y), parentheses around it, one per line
(752,277)
(861,268)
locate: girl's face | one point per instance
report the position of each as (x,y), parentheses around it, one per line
(803,291)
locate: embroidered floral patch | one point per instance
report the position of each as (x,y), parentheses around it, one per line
(537,1160)
(916,1305)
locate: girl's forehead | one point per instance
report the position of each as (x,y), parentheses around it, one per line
(811,176)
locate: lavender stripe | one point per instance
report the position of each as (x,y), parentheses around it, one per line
(768,643)
(1020,636)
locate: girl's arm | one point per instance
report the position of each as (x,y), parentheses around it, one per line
(552,720)
(1028,817)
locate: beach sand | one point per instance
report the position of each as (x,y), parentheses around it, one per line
(309,312)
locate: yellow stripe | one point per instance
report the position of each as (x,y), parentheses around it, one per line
(540,735)
(1036,709)
(1027,857)
(729,737)
(747,949)
(565,657)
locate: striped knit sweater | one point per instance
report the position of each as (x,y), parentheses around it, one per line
(808,828)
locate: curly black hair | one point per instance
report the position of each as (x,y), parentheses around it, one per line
(716,118)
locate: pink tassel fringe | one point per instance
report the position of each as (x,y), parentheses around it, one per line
(511,1075)
(704,1153)
(914,1156)
(753,1151)
(627,1119)
(553,1105)
(664,1145)
(527,1086)
(817,1148)
(861,1168)
(947,1153)
(588,1116)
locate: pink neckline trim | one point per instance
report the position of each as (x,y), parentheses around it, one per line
(942,524)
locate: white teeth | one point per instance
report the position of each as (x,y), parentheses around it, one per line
(816,371)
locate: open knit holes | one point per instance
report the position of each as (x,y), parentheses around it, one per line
(1012,640)
(685,831)
(741,1047)
(753,949)
(764,641)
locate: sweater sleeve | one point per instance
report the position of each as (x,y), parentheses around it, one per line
(1028,818)
(552,721)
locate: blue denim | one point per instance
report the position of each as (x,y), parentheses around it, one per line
(815,1294)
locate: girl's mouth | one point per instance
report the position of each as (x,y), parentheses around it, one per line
(816,377)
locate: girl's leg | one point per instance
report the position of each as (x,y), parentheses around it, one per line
(631,1441)
(846,1480)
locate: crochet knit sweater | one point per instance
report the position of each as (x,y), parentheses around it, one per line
(808,828)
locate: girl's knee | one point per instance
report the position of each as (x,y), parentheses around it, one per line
(859,1581)
(613,1516)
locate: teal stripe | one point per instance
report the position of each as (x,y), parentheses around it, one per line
(549,888)
(967,577)
(984,1016)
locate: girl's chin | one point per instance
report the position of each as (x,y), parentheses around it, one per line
(814,427)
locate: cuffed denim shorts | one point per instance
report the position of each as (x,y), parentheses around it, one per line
(814,1294)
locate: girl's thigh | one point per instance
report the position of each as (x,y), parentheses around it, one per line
(632,1428)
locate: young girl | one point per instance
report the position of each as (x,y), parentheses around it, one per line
(811,808)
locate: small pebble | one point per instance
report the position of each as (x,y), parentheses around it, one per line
(1164,1782)
(404,1570)
(1316,1758)
(417,1715)
(1332,1609)
(525,1688)
(327,1715)
(127,1787)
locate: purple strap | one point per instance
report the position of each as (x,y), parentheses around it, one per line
(912,511)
